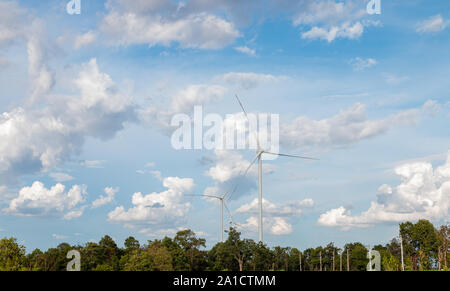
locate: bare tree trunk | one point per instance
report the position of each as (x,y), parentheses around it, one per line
(333,260)
(300,260)
(320,268)
(439,258)
(348,261)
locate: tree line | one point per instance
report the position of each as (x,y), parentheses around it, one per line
(424,248)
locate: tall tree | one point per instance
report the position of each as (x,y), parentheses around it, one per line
(12,255)
(191,245)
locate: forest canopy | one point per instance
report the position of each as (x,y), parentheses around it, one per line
(424,248)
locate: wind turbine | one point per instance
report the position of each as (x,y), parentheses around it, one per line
(222,204)
(259,152)
(222,200)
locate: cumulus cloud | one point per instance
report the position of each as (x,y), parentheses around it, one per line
(247,80)
(228,170)
(347,127)
(360,64)
(56,131)
(93,164)
(158,210)
(164,23)
(246,50)
(272,225)
(329,20)
(432,25)
(37,200)
(276,216)
(61,177)
(423,194)
(215,24)
(11,22)
(17,26)
(291,208)
(108,198)
(346,30)
(85,39)
(38,47)
(59,237)
(183,101)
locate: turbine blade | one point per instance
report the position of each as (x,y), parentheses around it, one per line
(231,216)
(242,107)
(209,196)
(245,174)
(228,210)
(290,156)
(246,116)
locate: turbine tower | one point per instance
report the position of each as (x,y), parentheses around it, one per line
(259,152)
(222,204)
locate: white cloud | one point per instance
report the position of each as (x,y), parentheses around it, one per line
(247,80)
(273,225)
(150,165)
(329,20)
(197,30)
(193,95)
(61,177)
(292,208)
(432,107)
(183,101)
(394,79)
(75,213)
(423,194)
(433,24)
(156,209)
(59,237)
(52,133)
(360,64)
(350,31)
(37,200)
(246,50)
(85,39)
(38,46)
(347,127)
(94,164)
(276,216)
(11,22)
(228,171)
(103,200)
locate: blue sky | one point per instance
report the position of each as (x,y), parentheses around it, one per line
(86,100)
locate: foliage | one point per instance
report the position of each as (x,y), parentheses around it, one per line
(425,248)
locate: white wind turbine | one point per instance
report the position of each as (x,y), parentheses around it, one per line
(223,203)
(259,152)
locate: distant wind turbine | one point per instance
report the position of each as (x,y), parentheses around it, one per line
(222,204)
(259,153)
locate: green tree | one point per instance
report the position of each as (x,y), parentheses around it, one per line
(108,254)
(180,261)
(12,255)
(131,243)
(420,243)
(155,257)
(191,246)
(241,250)
(262,257)
(358,256)
(443,247)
